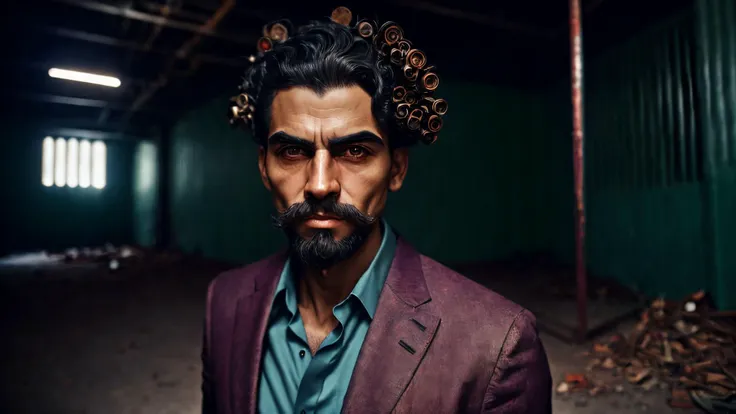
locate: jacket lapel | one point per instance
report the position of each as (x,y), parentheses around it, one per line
(399,336)
(251,320)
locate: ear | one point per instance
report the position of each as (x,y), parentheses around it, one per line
(262,167)
(399,166)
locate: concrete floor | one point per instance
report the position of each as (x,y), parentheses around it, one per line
(88,341)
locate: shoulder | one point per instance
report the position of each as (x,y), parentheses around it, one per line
(476,310)
(457,293)
(491,321)
(224,290)
(503,333)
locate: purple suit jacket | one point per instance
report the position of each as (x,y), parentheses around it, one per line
(439,343)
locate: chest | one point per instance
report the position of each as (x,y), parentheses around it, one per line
(308,366)
(316,336)
(315,333)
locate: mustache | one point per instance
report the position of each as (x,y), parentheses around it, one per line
(329,205)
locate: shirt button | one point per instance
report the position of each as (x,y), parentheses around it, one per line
(301,355)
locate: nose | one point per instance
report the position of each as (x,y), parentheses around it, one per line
(322,181)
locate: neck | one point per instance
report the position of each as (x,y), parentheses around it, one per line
(320,290)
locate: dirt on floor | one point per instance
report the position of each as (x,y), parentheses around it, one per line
(84,339)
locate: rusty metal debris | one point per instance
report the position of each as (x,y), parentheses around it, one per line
(116,258)
(103,253)
(579,383)
(687,346)
(680,398)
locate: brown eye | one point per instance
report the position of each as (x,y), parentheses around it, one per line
(356,152)
(292,152)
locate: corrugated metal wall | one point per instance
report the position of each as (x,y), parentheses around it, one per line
(218,205)
(145,190)
(661,156)
(644,162)
(487,190)
(716,41)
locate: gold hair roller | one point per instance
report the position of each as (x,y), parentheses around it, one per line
(398,94)
(415,119)
(402,110)
(392,35)
(428,137)
(278,32)
(434,123)
(438,106)
(410,73)
(242,100)
(397,56)
(342,15)
(365,29)
(429,81)
(404,45)
(416,58)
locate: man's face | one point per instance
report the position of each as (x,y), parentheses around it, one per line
(329,147)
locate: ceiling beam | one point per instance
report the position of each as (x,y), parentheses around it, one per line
(64,100)
(158,8)
(485,20)
(75,101)
(200,29)
(115,42)
(183,52)
(85,128)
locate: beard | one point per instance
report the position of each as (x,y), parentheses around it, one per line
(322,250)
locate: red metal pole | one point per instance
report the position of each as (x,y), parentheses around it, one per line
(576,49)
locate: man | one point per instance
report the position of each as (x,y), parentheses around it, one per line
(351,318)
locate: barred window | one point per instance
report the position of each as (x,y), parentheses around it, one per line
(73,163)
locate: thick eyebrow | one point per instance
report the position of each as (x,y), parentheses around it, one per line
(362,136)
(282,137)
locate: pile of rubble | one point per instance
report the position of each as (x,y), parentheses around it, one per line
(114,257)
(109,254)
(687,347)
(107,251)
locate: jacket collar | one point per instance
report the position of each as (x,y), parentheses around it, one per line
(399,336)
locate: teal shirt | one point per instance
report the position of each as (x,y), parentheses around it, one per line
(294,381)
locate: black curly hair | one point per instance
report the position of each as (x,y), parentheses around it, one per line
(322,56)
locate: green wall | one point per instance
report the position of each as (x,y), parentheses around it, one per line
(490,187)
(644,180)
(716,52)
(661,156)
(38,217)
(145,191)
(218,204)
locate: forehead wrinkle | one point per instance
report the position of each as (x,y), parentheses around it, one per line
(341,108)
(337,113)
(309,127)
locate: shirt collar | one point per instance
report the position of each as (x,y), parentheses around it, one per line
(369,286)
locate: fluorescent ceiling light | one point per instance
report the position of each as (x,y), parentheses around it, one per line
(84,77)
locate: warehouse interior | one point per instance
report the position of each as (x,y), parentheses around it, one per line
(107,255)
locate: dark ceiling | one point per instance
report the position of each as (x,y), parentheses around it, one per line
(173,55)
